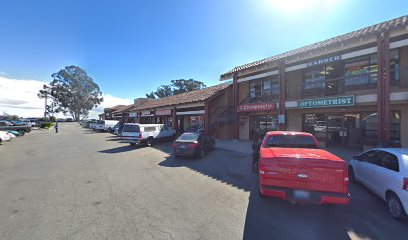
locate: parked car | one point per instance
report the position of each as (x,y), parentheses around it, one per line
(147,134)
(6,125)
(292,167)
(105,125)
(193,144)
(15,133)
(385,172)
(19,123)
(28,122)
(4,136)
(117,129)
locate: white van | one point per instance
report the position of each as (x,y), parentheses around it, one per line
(147,134)
(105,125)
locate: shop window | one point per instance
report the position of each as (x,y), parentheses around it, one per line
(260,124)
(369,125)
(361,71)
(314,78)
(395,66)
(264,90)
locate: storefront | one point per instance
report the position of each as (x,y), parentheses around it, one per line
(257,119)
(147,117)
(190,120)
(338,121)
(164,116)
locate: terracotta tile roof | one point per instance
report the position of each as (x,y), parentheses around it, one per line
(188,97)
(393,24)
(121,108)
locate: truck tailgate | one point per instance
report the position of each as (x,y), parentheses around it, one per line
(305,173)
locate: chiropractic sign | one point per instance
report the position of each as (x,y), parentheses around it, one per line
(341,101)
(254,107)
(324,60)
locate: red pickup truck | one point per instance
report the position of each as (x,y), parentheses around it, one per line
(292,167)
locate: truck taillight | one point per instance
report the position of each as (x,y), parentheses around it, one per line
(405,184)
(140,135)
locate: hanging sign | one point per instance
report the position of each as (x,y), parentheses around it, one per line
(163,112)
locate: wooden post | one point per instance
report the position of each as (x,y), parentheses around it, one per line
(282,95)
(235,88)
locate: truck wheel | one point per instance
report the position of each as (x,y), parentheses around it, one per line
(109,130)
(22,132)
(149,142)
(395,207)
(132,144)
(352,177)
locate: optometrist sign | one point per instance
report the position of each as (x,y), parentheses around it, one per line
(342,101)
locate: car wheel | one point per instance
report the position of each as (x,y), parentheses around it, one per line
(149,142)
(352,176)
(132,144)
(260,193)
(395,207)
(109,130)
(22,132)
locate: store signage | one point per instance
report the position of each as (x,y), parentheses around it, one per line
(327,102)
(324,60)
(256,107)
(281,118)
(163,112)
(146,113)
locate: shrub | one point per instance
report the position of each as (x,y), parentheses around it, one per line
(47,125)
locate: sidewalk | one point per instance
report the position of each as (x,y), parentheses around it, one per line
(245,146)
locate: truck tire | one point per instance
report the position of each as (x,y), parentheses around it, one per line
(352,176)
(109,130)
(21,131)
(1,141)
(149,141)
(394,206)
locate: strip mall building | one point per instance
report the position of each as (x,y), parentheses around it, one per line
(350,90)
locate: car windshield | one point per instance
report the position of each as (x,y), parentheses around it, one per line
(189,136)
(291,141)
(131,128)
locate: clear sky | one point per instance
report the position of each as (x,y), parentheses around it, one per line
(131,47)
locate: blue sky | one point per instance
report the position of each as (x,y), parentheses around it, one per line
(131,47)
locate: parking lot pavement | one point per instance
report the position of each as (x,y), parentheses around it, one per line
(79,184)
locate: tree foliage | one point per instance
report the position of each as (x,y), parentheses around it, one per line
(72,91)
(176,87)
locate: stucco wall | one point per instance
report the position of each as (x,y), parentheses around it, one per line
(294,84)
(294,119)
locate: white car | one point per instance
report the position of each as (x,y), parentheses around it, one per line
(385,172)
(105,125)
(147,134)
(5,136)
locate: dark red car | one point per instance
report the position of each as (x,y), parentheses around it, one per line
(193,144)
(292,167)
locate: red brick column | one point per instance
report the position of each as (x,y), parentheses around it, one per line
(207,117)
(282,95)
(235,89)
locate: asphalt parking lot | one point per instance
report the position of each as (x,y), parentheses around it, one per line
(79,184)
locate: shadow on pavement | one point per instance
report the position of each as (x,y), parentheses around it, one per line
(366,217)
(269,218)
(121,149)
(232,170)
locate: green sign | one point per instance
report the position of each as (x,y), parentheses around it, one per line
(327,102)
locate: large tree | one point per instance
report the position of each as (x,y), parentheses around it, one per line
(176,87)
(72,91)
